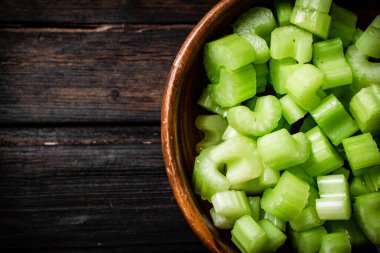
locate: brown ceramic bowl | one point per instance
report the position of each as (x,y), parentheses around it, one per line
(179,110)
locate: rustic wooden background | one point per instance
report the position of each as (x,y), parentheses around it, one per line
(81,84)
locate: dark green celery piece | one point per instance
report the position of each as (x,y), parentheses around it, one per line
(279,70)
(206,102)
(276,237)
(259,122)
(343,24)
(358,187)
(308,241)
(282,123)
(254,204)
(248,236)
(291,41)
(231,51)
(335,242)
(341,170)
(302,86)
(372,179)
(317,5)
(290,110)
(231,204)
(350,228)
(343,94)
(299,172)
(366,209)
(281,224)
(213,127)
(316,22)
(328,56)
(369,41)
(364,72)
(287,199)
(234,87)
(308,124)
(324,158)
(362,153)
(261,77)
(358,32)
(221,221)
(365,108)
(280,150)
(283,10)
(334,120)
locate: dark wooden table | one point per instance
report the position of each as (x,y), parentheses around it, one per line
(81,84)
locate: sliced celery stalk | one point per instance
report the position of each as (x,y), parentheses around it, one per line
(260,46)
(206,102)
(349,227)
(341,170)
(261,77)
(290,110)
(369,41)
(279,73)
(254,204)
(367,215)
(230,133)
(221,221)
(213,127)
(307,124)
(372,179)
(358,187)
(317,5)
(259,122)
(231,204)
(362,153)
(343,24)
(281,224)
(328,56)
(299,172)
(284,10)
(358,32)
(234,86)
(291,41)
(282,123)
(343,94)
(276,237)
(308,241)
(335,242)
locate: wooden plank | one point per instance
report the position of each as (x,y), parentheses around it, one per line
(101,74)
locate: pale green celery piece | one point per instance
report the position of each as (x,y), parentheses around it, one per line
(279,72)
(234,87)
(259,122)
(280,150)
(207,103)
(221,221)
(342,171)
(369,41)
(231,51)
(358,32)
(365,108)
(372,179)
(334,120)
(290,110)
(343,24)
(281,224)
(362,153)
(283,10)
(317,5)
(276,237)
(248,236)
(213,127)
(335,242)
(366,209)
(350,228)
(364,72)
(299,172)
(324,158)
(254,204)
(291,41)
(282,123)
(318,23)
(230,133)
(332,186)
(328,56)
(358,187)
(261,77)
(308,241)
(231,204)
(302,86)
(308,124)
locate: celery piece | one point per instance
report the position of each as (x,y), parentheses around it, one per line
(307,124)
(213,127)
(279,72)
(206,102)
(221,221)
(261,77)
(324,158)
(280,150)
(276,237)
(372,179)
(344,94)
(341,170)
(365,108)
(318,23)
(254,204)
(317,5)
(281,224)
(369,41)
(248,236)
(231,51)
(251,103)
(234,86)
(364,72)
(230,133)
(231,204)
(283,10)
(282,123)
(290,110)
(343,24)
(303,84)
(308,241)
(334,120)
(259,122)
(291,41)
(362,153)
(335,242)
(287,199)
(299,172)
(358,32)
(366,209)
(260,46)
(328,56)
(349,227)
(358,187)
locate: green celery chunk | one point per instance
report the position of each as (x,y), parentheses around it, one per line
(344,94)
(335,242)
(308,241)
(318,23)
(372,179)
(207,103)
(341,170)
(365,108)
(299,172)
(358,32)
(328,56)
(358,187)
(259,122)
(276,237)
(350,228)
(287,199)
(231,51)
(369,41)
(280,150)
(231,204)
(317,5)
(230,133)
(291,41)
(290,110)
(279,71)
(261,77)
(302,86)
(367,208)
(221,221)
(234,87)
(283,10)
(260,46)
(364,72)
(213,127)
(362,153)
(254,204)
(248,236)
(281,224)
(307,124)
(282,123)
(343,24)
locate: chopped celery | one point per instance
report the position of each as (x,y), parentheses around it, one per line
(231,204)
(260,46)
(369,42)
(335,242)
(230,133)
(342,171)
(290,110)
(358,187)
(284,10)
(307,124)
(259,122)
(281,224)
(317,5)
(213,127)
(372,179)
(221,221)
(343,94)
(358,32)
(308,241)
(206,102)
(299,172)
(276,237)
(352,230)
(261,77)
(254,204)
(279,72)
(282,123)
(343,24)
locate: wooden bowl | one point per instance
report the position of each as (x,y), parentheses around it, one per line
(179,109)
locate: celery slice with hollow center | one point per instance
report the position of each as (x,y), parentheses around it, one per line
(290,110)
(231,204)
